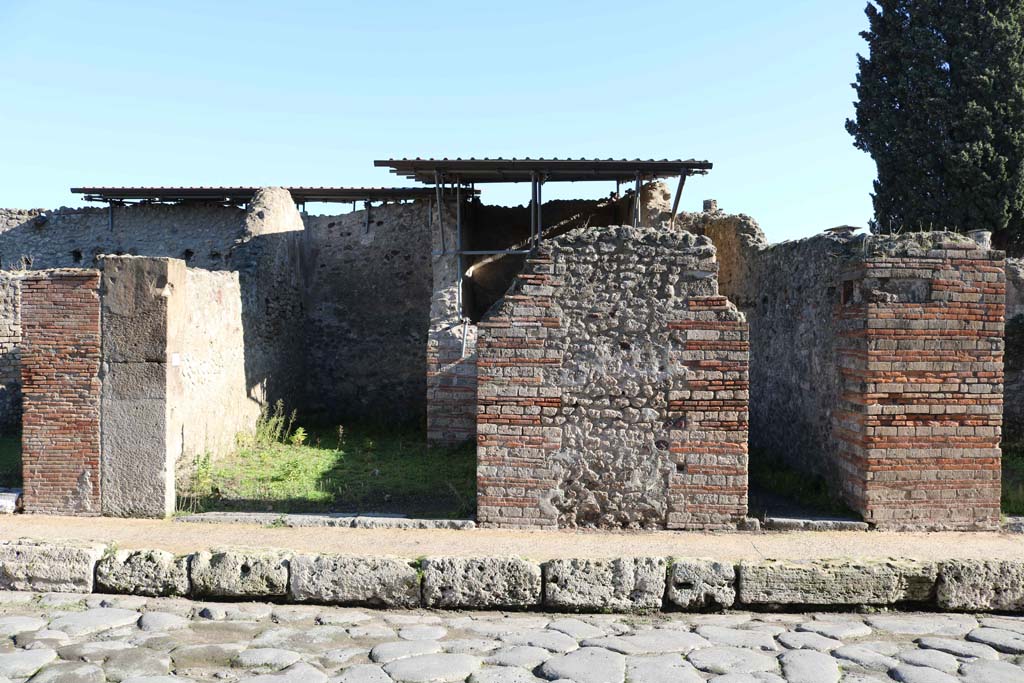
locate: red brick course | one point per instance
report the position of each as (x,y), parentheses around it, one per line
(60,372)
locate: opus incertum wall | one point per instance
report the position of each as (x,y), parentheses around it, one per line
(612,388)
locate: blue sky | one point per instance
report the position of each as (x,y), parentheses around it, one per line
(310,93)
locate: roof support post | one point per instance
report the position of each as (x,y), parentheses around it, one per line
(533,208)
(458,252)
(110,216)
(440,211)
(636,203)
(540,205)
(675,202)
(366,208)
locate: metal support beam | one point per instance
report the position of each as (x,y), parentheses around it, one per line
(458,251)
(540,205)
(366,208)
(533,208)
(675,202)
(110,216)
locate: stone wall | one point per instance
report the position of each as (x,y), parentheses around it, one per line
(60,368)
(612,388)
(209,400)
(894,397)
(10,352)
(368,288)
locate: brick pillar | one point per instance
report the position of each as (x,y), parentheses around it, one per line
(921,357)
(710,417)
(60,371)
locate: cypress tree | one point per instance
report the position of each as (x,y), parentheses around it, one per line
(941,110)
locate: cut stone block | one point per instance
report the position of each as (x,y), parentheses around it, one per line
(340,580)
(480,583)
(143,572)
(28,565)
(981,585)
(699,584)
(626,584)
(836,582)
(239,573)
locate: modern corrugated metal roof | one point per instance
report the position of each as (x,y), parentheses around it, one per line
(242,194)
(521,170)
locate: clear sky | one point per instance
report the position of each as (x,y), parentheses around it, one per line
(112,92)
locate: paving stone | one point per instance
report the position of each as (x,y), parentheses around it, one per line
(422,632)
(987,671)
(94,620)
(239,574)
(701,584)
(503,674)
(882,647)
(70,672)
(840,630)
(368,631)
(1015,624)
(157,679)
(525,656)
(981,585)
(8,597)
(623,585)
(9,626)
(958,648)
(220,654)
(650,642)
(808,666)
(24,663)
(480,583)
(434,668)
(934,659)
(266,658)
(858,677)
(342,617)
(43,637)
(549,640)
(586,665)
(296,673)
(720,635)
(726,660)
(136,661)
(339,656)
(470,646)
(390,652)
(923,624)
(162,621)
(362,673)
(93,652)
(756,677)
(576,628)
(800,640)
(669,668)
(403,618)
(143,572)
(28,565)
(1009,642)
(864,657)
(906,673)
(839,582)
(340,580)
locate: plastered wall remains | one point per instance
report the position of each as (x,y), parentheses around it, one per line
(10,352)
(613,388)
(1013,391)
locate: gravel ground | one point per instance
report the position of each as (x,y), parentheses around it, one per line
(62,638)
(178,537)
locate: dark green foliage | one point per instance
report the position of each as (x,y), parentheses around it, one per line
(941,110)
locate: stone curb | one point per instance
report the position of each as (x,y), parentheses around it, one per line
(632,584)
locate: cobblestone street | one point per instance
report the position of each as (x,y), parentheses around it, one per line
(62,638)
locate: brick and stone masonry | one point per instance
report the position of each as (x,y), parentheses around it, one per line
(876,364)
(612,388)
(60,369)
(921,356)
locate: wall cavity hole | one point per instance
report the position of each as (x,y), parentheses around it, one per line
(188,254)
(681,467)
(76,255)
(246,569)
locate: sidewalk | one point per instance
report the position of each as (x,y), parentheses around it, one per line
(180,538)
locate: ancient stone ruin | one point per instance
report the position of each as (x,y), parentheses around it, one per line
(613,359)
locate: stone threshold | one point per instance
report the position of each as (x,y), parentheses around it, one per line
(627,584)
(333,519)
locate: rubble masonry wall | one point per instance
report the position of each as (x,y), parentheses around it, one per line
(612,388)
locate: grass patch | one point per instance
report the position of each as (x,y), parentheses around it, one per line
(1013,478)
(777,489)
(360,468)
(10,461)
